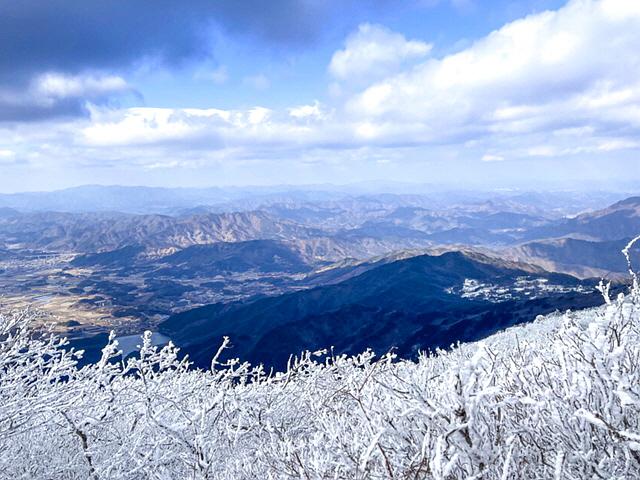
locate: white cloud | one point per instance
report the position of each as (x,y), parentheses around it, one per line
(190,128)
(617,144)
(7,157)
(621,9)
(490,157)
(258,115)
(56,85)
(307,111)
(163,165)
(542,151)
(374,51)
(137,126)
(577,67)
(48,91)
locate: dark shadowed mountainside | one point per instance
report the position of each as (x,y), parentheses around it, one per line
(260,255)
(417,303)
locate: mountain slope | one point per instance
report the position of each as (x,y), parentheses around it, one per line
(261,255)
(616,222)
(99,232)
(120,257)
(582,258)
(420,302)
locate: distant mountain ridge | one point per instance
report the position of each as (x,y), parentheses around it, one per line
(583,258)
(336,228)
(98,232)
(587,245)
(618,221)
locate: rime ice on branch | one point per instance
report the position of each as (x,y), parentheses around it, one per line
(557,398)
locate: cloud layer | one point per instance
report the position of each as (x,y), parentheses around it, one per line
(561,84)
(573,68)
(76,35)
(74,38)
(53,94)
(551,74)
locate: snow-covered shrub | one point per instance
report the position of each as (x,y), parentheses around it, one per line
(557,398)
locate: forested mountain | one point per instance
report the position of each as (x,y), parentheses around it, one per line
(421,302)
(260,255)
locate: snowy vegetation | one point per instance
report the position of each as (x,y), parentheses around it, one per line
(557,398)
(524,287)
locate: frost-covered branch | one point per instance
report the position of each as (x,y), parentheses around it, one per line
(557,398)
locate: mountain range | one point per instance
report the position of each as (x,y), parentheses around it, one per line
(313,269)
(319,233)
(99,232)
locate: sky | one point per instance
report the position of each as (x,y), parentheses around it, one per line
(468,93)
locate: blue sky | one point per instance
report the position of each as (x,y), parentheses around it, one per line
(492,94)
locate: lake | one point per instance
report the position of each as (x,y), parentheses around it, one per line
(131,343)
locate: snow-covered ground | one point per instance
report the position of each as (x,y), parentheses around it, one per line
(523,287)
(556,398)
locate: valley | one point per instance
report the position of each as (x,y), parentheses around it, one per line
(292,271)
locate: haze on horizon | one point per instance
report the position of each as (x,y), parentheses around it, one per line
(459,93)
